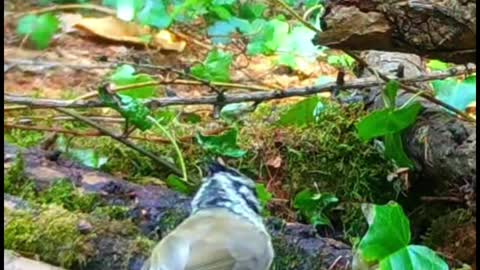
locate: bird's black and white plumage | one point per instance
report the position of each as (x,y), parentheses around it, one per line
(224,231)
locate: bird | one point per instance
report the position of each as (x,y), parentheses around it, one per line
(225,230)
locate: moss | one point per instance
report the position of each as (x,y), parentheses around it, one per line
(23,138)
(288,257)
(16,183)
(64,193)
(442,227)
(169,221)
(116,212)
(51,233)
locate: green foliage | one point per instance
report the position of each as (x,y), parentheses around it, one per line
(387,241)
(223,145)
(220,31)
(130,108)
(40,29)
(233,111)
(124,75)
(458,94)
(388,123)
(271,35)
(216,67)
(86,157)
(315,206)
(154,13)
(179,185)
(251,11)
(303,113)
(437,65)
(264,196)
(341,61)
(64,193)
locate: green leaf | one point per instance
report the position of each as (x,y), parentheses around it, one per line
(413,257)
(314,205)
(215,68)
(40,29)
(126,9)
(234,110)
(341,61)
(394,150)
(269,39)
(387,121)
(264,196)
(303,113)
(124,75)
(221,12)
(86,157)
(389,231)
(177,184)
(165,117)
(287,60)
(224,144)
(458,94)
(299,42)
(223,2)
(155,13)
(390,93)
(220,31)
(133,110)
(251,11)
(437,65)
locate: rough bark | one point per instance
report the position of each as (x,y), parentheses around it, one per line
(297,246)
(436,29)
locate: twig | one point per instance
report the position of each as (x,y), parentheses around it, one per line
(236,98)
(442,199)
(184,139)
(156,158)
(384,77)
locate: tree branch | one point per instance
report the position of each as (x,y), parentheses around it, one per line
(259,96)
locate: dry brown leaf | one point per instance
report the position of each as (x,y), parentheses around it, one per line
(471,109)
(114,29)
(275,162)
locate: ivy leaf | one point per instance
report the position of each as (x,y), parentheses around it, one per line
(302,113)
(413,257)
(132,109)
(264,196)
(221,12)
(225,144)
(124,75)
(220,31)
(299,42)
(458,94)
(155,13)
(314,205)
(269,39)
(387,121)
(40,29)
(179,185)
(126,10)
(394,150)
(437,65)
(87,157)
(215,68)
(251,11)
(390,93)
(388,232)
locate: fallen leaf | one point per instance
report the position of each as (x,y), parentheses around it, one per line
(275,162)
(471,109)
(114,29)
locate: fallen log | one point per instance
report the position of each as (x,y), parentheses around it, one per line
(436,29)
(156,210)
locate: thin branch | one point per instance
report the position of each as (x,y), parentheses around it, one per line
(118,138)
(98,8)
(184,139)
(442,199)
(236,98)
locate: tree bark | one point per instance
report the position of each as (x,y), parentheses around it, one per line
(435,29)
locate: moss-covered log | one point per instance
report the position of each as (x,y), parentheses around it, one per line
(154,209)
